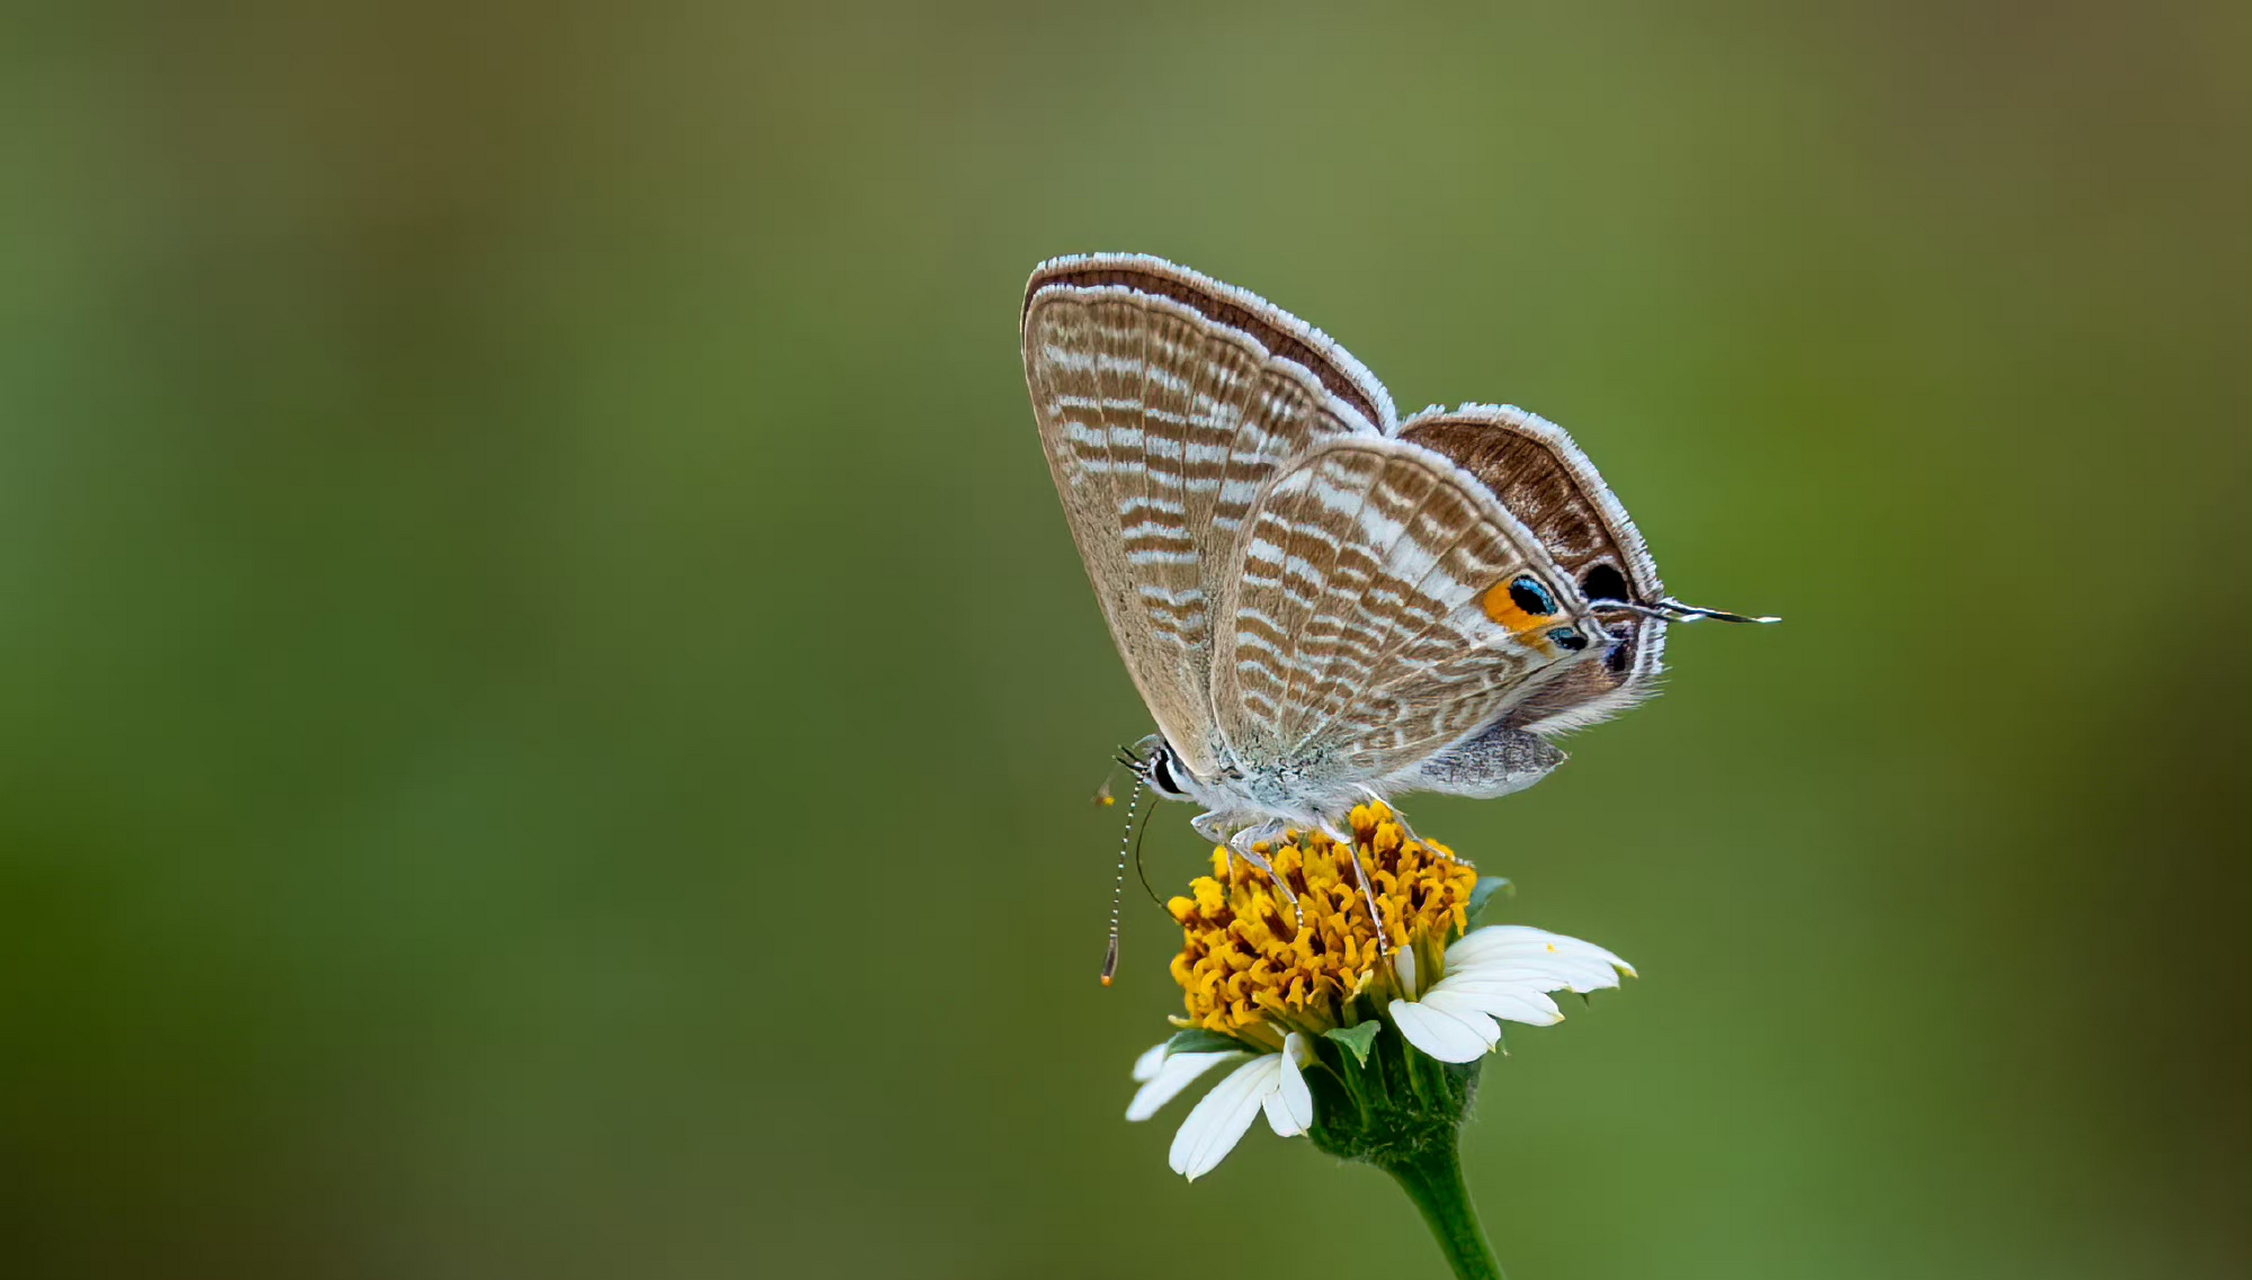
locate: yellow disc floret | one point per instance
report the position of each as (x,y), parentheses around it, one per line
(1255,967)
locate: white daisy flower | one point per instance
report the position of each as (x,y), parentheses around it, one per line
(1498,972)
(1270,1082)
(1274,983)
(1324,979)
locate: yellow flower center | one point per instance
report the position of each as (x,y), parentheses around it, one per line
(1255,967)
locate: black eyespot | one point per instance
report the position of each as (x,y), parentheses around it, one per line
(1529,595)
(1605,582)
(1568,638)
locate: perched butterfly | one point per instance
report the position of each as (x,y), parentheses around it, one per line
(1322,604)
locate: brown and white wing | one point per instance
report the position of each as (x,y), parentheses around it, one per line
(1380,614)
(1166,402)
(1543,478)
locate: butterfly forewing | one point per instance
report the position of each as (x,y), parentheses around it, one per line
(1274,331)
(1363,641)
(1163,422)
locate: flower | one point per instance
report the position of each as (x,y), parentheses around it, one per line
(1499,972)
(1280,988)
(1256,966)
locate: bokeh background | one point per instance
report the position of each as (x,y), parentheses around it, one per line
(547,707)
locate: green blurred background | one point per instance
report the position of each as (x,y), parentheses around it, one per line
(549,707)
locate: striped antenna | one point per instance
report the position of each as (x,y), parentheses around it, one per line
(1118,882)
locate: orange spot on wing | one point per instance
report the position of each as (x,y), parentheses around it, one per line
(1519,623)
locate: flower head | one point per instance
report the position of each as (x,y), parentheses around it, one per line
(1255,965)
(1285,989)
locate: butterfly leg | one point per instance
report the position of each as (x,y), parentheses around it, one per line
(1338,832)
(1246,842)
(1239,834)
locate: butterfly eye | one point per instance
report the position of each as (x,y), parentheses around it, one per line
(1605,582)
(1161,777)
(1568,638)
(1529,595)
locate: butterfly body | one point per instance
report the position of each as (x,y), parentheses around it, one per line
(1319,603)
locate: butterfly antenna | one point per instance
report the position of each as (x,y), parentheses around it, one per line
(1141,871)
(1118,882)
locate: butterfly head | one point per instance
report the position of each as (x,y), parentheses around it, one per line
(1158,767)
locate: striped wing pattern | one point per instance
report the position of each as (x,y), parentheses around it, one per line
(1162,426)
(1361,644)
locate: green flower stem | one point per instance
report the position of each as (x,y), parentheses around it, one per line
(1401,1111)
(1434,1182)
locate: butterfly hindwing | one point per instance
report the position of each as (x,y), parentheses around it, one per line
(1372,623)
(1533,467)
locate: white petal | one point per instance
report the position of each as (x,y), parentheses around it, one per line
(1403,965)
(1495,939)
(1290,1108)
(1145,1067)
(1442,1035)
(1218,1120)
(1522,941)
(1503,978)
(1174,1075)
(1549,970)
(1519,1005)
(1490,933)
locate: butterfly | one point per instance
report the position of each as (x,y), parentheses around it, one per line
(1322,604)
